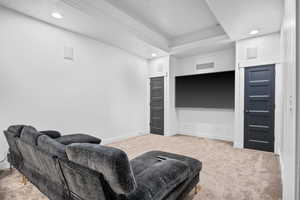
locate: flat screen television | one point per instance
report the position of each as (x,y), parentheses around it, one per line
(213,90)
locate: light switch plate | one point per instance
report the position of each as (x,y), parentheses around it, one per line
(69,53)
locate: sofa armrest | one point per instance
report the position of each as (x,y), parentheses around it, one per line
(78,138)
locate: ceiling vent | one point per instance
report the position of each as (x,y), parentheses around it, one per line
(205,66)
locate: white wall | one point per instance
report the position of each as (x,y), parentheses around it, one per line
(224,61)
(173,115)
(268,52)
(102,92)
(298,101)
(159,66)
(206,122)
(288,151)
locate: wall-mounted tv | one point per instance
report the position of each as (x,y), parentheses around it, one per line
(213,90)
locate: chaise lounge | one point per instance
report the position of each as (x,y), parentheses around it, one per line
(77,167)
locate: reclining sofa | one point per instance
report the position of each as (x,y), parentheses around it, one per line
(77,167)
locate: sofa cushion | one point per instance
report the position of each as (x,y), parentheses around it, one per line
(157,176)
(30,135)
(51,133)
(51,146)
(112,163)
(78,138)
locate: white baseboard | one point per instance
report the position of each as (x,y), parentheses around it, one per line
(281,167)
(169,132)
(123,137)
(238,145)
(207,135)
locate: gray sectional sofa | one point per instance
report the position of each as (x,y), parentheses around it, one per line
(77,167)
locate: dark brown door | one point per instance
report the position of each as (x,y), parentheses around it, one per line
(157,105)
(259,107)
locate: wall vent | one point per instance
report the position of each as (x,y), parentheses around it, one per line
(251,53)
(205,66)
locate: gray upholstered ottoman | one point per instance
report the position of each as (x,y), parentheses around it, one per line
(178,174)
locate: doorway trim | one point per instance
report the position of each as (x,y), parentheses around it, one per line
(248,116)
(239,103)
(163,100)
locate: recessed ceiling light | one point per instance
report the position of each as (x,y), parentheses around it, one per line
(56,15)
(254,32)
(153,55)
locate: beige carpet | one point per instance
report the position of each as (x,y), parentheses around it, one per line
(228,173)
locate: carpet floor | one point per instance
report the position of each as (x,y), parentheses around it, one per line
(227,174)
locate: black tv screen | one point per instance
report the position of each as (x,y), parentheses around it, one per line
(214,90)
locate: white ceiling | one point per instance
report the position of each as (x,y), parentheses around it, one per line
(97,20)
(239,17)
(172,18)
(143,27)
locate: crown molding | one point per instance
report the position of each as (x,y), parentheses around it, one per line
(201,34)
(215,43)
